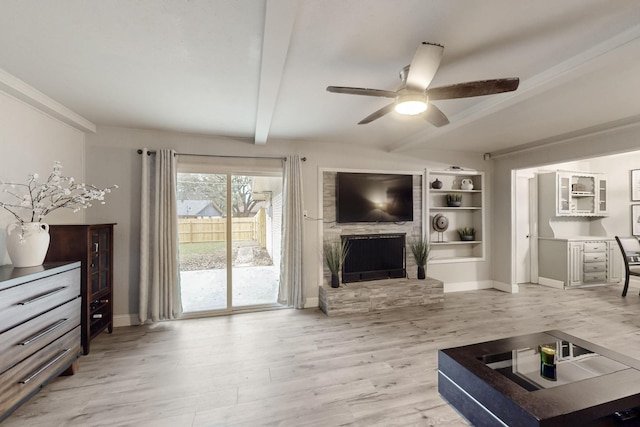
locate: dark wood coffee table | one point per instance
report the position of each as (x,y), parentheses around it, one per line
(505,383)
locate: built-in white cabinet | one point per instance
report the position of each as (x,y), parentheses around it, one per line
(447,245)
(566,263)
(576,193)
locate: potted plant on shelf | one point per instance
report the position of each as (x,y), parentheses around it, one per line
(420,248)
(335,252)
(454,200)
(467,233)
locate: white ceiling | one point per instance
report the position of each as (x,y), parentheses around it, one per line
(257,70)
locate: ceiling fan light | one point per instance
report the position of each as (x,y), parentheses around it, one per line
(411,105)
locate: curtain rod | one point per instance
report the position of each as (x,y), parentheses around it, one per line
(150,152)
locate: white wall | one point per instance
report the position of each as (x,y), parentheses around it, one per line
(112,159)
(30,142)
(617,169)
(616,141)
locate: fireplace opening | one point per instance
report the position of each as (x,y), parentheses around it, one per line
(374,257)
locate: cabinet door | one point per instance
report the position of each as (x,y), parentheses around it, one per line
(100,260)
(615,264)
(575,264)
(563,201)
(601,197)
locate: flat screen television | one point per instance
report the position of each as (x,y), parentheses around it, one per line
(374,197)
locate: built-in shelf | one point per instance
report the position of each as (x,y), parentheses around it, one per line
(447,246)
(435,190)
(465,208)
(465,242)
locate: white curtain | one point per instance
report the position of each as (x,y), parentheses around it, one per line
(159,268)
(291,292)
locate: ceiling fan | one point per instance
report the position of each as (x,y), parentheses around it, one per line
(414,95)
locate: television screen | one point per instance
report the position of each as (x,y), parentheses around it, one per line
(369,197)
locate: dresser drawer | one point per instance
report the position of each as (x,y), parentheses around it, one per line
(595,257)
(27,338)
(597,277)
(17,383)
(595,247)
(592,267)
(28,300)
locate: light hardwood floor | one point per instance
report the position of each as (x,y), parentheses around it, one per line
(301,368)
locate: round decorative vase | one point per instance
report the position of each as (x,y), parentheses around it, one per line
(466,184)
(421,273)
(467,237)
(335,283)
(437,184)
(27,243)
(454,204)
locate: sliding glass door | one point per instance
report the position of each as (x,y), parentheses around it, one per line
(255,240)
(229,240)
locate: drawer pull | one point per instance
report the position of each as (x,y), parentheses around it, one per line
(41,296)
(43,332)
(45,367)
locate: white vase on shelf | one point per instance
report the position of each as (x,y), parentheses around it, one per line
(27,243)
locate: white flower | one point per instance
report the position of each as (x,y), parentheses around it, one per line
(31,201)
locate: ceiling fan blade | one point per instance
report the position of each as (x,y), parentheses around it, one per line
(435,116)
(470,89)
(424,65)
(361,91)
(376,115)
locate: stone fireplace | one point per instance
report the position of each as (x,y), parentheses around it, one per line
(374,257)
(378,279)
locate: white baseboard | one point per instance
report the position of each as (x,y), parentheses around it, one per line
(125,320)
(312,302)
(467,286)
(550,282)
(505,287)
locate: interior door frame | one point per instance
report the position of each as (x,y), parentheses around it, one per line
(532,229)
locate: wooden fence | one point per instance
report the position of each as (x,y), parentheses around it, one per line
(197,230)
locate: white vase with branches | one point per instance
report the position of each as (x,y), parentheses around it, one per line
(30,202)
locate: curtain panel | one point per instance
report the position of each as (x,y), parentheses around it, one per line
(291,292)
(159,265)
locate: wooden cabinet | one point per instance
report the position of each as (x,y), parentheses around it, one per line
(575,193)
(566,263)
(447,246)
(39,328)
(93,246)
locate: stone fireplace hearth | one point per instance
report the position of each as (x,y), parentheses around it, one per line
(379,295)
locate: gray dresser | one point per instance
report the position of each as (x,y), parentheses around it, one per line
(39,328)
